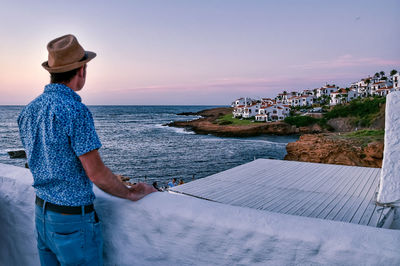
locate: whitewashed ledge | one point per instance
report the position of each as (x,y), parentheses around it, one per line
(389,191)
(169,229)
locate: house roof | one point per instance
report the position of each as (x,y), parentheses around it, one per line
(265,107)
(385,88)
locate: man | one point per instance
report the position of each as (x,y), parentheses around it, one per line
(58,134)
(172,183)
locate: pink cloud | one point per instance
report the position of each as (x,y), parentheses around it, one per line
(219,83)
(348,61)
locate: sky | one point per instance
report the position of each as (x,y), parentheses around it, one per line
(207,52)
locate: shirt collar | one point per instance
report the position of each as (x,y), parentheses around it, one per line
(61,88)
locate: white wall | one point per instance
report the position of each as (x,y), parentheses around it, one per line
(389,191)
(170,229)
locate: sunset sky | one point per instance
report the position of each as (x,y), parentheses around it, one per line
(205,52)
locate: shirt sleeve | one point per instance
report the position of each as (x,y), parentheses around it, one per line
(83,134)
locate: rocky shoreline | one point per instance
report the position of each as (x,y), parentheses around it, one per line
(208,125)
(314,145)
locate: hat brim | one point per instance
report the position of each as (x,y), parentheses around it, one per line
(60,69)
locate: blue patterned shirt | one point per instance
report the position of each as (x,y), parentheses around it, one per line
(55,129)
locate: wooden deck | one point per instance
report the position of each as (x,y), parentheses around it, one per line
(325,191)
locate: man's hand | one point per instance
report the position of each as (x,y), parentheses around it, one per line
(140,190)
(123,178)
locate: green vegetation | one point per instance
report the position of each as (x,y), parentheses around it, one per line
(365,136)
(225,122)
(363,110)
(301,121)
(229,120)
(366,133)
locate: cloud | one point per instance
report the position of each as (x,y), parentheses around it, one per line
(218,83)
(348,61)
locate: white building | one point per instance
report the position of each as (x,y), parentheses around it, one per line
(283,97)
(301,101)
(238,111)
(250,110)
(267,101)
(384,91)
(376,86)
(279,112)
(396,81)
(338,97)
(351,95)
(274,112)
(335,98)
(342,96)
(263,113)
(326,90)
(307,93)
(242,101)
(306,100)
(361,83)
(294,101)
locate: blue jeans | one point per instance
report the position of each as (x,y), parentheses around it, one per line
(68,239)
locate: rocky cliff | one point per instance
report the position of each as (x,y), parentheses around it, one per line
(335,149)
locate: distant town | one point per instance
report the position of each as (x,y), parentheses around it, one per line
(280,107)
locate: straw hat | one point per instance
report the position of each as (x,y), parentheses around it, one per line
(65,54)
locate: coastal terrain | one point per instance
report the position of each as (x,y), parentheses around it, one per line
(339,136)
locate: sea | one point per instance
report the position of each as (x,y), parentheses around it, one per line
(137,144)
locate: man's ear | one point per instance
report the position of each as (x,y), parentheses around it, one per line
(82,71)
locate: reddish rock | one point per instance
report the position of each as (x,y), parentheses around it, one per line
(329,148)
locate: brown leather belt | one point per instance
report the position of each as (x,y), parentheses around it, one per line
(64,209)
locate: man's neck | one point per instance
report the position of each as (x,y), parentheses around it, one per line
(72,84)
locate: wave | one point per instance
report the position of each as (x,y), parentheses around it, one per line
(175,129)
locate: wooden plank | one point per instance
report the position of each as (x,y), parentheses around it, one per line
(283,189)
(349,195)
(317,207)
(319,193)
(365,195)
(253,186)
(229,180)
(257,186)
(304,191)
(336,196)
(363,213)
(267,188)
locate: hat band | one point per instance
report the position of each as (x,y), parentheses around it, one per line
(84,57)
